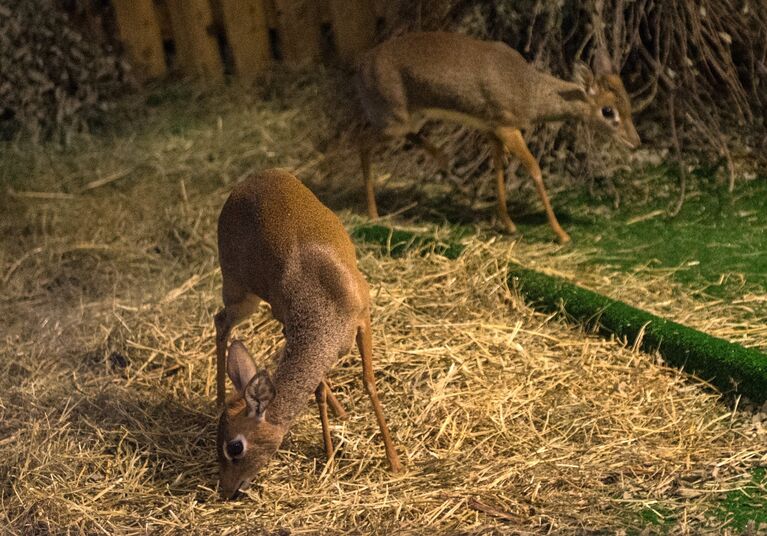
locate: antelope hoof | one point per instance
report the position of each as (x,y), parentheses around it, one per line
(507,226)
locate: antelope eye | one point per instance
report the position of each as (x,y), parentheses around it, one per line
(608,112)
(234,448)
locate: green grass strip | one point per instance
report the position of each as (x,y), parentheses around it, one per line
(724,364)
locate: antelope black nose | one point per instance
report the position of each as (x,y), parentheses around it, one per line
(231,494)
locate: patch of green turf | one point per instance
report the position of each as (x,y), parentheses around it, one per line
(662,519)
(709,356)
(749,504)
(397,242)
(717,243)
(724,364)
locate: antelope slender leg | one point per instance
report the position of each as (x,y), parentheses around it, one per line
(500,184)
(366,151)
(365,345)
(321,394)
(335,406)
(435,152)
(515,143)
(237,306)
(223,329)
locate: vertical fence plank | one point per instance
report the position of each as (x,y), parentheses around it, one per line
(183,60)
(386,10)
(354,26)
(248,35)
(324,10)
(197,50)
(140,34)
(299,27)
(271,14)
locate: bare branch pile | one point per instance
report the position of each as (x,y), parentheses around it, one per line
(711,55)
(53,82)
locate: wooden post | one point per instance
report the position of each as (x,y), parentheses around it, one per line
(271,14)
(299,26)
(197,50)
(324,10)
(354,26)
(386,10)
(163,18)
(140,35)
(182,60)
(248,35)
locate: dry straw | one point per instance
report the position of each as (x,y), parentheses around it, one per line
(508,421)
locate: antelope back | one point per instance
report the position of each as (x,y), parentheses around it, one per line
(265,224)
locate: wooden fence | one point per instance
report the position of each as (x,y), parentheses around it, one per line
(208,38)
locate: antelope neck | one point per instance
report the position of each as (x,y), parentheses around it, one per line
(552,106)
(296,378)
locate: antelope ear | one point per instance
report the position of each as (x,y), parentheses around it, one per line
(259,392)
(240,366)
(603,64)
(583,76)
(573,95)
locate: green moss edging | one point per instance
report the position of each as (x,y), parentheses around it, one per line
(726,365)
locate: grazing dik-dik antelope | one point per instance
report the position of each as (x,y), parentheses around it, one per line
(485,85)
(278,243)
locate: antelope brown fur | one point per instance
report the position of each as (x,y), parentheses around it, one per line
(279,244)
(485,85)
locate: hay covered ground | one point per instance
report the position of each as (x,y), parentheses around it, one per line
(507,420)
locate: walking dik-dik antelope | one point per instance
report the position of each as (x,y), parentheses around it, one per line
(485,85)
(278,243)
